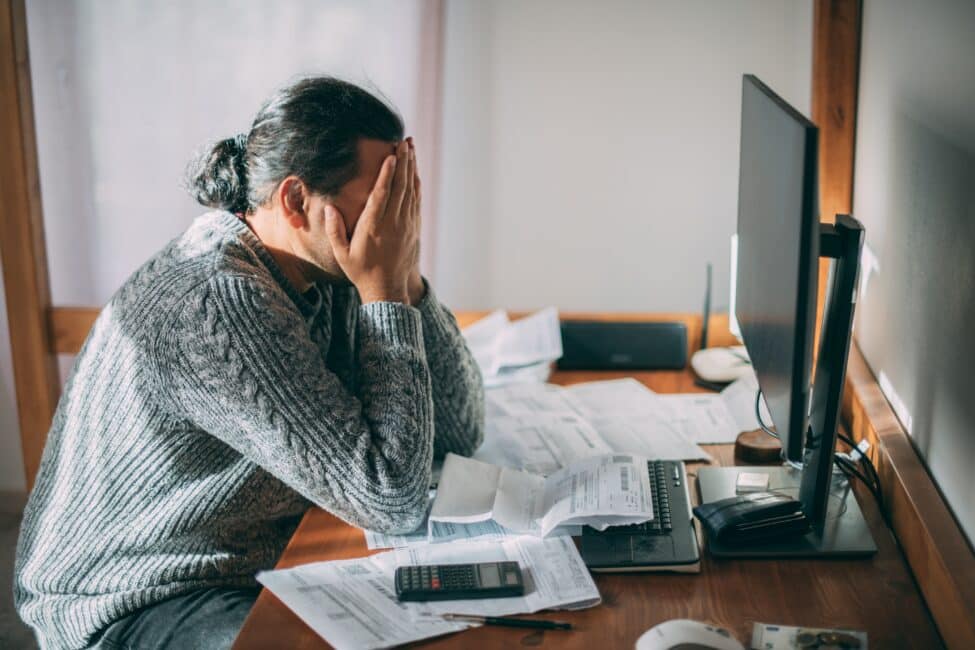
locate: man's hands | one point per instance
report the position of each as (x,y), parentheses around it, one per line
(382,259)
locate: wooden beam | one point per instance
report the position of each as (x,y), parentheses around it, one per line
(835,75)
(835,79)
(932,541)
(22,242)
(69,327)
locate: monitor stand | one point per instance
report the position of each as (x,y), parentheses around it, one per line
(844,532)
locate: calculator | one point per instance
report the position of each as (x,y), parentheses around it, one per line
(459,581)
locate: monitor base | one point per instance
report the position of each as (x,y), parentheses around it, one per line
(844,534)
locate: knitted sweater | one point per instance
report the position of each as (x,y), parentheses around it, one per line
(210,406)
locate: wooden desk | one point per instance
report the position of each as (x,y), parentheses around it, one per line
(878,595)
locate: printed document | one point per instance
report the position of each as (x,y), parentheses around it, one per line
(541,427)
(512,352)
(439,532)
(532,339)
(647,436)
(601,491)
(352,603)
(700,417)
(616,397)
(528,399)
(555,574)
(541,443)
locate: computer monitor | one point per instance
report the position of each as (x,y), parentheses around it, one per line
(778,255)
(780,242)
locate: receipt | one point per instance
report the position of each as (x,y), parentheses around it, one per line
(600,491)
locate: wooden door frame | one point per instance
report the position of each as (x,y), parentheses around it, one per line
(22,244)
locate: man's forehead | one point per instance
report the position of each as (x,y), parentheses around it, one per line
(375,150)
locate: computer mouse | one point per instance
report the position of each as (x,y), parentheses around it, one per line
(721,364)
(684,634)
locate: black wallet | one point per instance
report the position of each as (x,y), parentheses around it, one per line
(752,517)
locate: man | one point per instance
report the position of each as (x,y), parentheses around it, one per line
(284,351)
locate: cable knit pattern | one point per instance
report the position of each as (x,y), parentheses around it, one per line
(210,404)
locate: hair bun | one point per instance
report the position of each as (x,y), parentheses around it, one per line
(217,177)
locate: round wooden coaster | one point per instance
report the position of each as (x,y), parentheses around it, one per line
(757,447)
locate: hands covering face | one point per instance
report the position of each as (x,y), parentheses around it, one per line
(382,257)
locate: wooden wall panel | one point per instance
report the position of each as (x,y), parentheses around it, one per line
(835,79)
(941,560)
(22,242)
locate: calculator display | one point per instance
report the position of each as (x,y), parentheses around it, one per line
(489,575)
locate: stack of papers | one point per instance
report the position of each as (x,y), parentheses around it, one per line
(513,352)
(541,427)
(602,491)
(352,603)
(440,532)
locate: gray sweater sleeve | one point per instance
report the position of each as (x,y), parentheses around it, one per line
(458,390)
(245,370)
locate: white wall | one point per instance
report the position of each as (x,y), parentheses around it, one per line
(915,194)
(590,149)
(125,92)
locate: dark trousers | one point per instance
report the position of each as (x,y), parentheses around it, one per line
(206,619)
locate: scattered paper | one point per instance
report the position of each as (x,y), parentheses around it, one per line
(352,603)
(603,491)
(542,427)
(529,340)
(528,399)
(536,373)
(647,436)
(441,532)
(540,443)
(616,397)
(700,417)
(482,336)
(739,397)
(555,575)
(513,352)
(376,540)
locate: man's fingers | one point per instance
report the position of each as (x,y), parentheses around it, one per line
(398,191)
(337,235)
(409,203)
(379,196)
(418,193)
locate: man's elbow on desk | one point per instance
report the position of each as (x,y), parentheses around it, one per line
(385,510)
(404,520)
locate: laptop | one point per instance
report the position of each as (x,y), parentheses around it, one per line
(666,543)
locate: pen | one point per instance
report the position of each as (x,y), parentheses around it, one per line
(509,622)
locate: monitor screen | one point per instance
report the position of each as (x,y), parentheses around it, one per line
(778,252)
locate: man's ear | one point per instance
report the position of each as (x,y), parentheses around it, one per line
(292,194)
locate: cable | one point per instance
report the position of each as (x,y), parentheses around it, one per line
(869,477)
(871,470)
(758,416)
